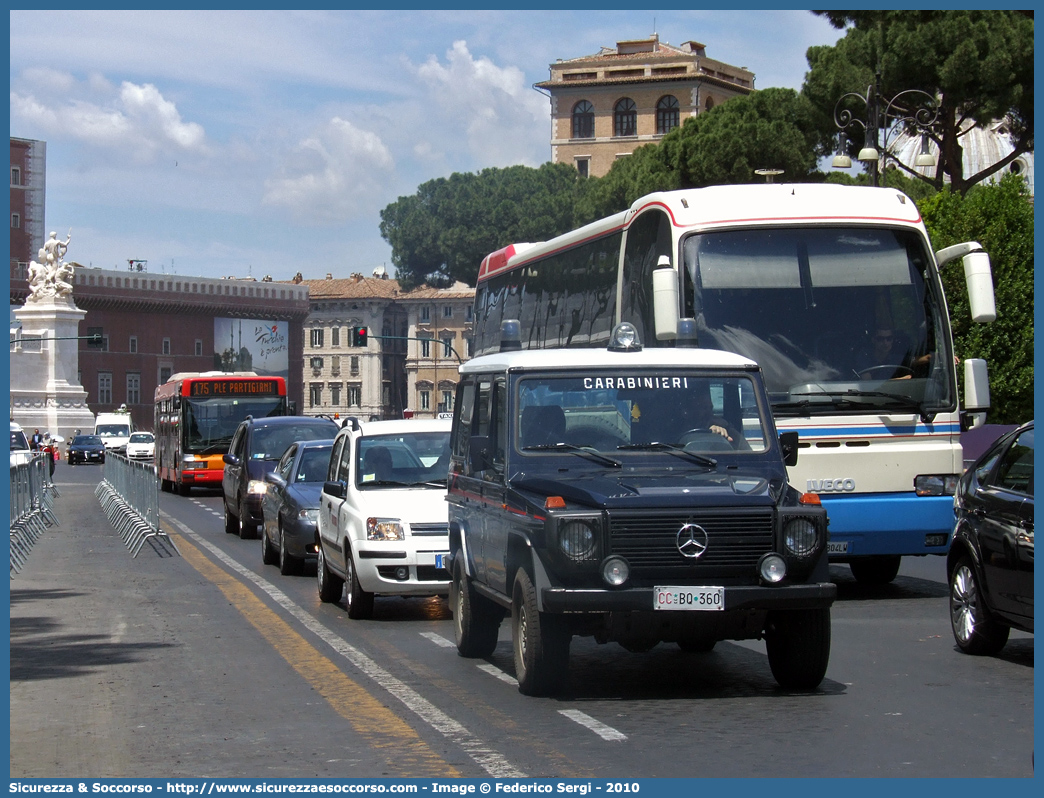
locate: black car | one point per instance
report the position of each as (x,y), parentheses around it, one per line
(990,563)
(291,505)
(86,449)
(256,447)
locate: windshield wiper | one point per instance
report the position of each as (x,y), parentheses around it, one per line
(904,402)
(674,449)
(572,447)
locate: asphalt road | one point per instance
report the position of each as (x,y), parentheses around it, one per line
(209,664)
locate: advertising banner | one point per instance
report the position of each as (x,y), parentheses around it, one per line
(252,345)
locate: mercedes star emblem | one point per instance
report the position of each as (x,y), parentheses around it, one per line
(692,540)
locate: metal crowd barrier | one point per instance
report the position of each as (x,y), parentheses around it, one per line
(32,502)
(129,495)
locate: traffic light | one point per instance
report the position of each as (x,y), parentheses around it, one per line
(358,336)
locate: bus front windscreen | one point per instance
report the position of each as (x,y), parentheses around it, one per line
(841,320)
(210,423)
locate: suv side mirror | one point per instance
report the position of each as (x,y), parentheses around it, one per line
(788,442)
(479,453)
(336,489)
(230,459)
(273,478)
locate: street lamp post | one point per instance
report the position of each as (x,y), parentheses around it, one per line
(912,109)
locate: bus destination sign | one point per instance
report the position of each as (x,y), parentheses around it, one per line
(233,387)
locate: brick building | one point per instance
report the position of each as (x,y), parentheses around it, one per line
(606,105)
(155,325)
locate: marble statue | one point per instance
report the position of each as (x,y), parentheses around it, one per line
(51,276)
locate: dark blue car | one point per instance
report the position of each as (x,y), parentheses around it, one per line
(291,506)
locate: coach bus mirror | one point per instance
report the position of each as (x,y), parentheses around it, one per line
(979,277)
(479,453)
(335,488)
(788,442)
(665,300)
(230,459)
(976,386)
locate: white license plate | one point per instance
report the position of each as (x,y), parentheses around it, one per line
(442,561)
(707,599)
(837,547)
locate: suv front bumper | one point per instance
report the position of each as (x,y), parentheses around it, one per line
(814,595)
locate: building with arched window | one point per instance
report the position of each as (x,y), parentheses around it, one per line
(604,106)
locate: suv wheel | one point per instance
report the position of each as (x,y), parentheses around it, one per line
(974,629)
(540,641)
(360,603)
(330,585)
(798,644)
(476,619)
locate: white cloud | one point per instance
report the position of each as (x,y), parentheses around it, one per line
(336,174)
(137,119)
(493,108)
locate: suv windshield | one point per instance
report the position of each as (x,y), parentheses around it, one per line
(407,458)
(639,411)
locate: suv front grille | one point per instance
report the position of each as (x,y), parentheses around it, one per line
(649,541)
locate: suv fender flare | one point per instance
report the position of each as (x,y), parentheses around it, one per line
(521,555)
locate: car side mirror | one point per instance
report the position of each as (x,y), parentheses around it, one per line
(479,453)
(788,443)
(335,488)
(230,459)
(275,479)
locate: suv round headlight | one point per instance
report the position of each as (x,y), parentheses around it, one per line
(577,540)
(615,571)
(800,537)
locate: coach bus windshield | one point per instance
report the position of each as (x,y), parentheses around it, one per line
(211,422)
(841,320)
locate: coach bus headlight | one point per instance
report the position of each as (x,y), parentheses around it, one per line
(190,463)
(935,484)
(256,487)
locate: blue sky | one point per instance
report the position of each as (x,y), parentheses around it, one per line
(267,142)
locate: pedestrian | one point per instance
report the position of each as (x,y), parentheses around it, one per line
(37,440)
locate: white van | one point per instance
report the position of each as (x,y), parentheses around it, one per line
(115,430)
(20,449)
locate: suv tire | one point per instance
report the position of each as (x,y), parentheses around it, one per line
(540,642)
(974,628)
(798,644)
(231,523)
(476,619)
(246,529)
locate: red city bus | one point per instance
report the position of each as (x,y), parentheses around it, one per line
(196,415)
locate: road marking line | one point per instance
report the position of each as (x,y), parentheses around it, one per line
(493,670)
(494,763)
(371,719)
(438,640)
(599,728)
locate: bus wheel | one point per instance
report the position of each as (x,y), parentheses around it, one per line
(540,641)
(875,570)
(183,489)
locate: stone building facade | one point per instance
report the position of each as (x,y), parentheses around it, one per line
(606,105)
(408,365)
